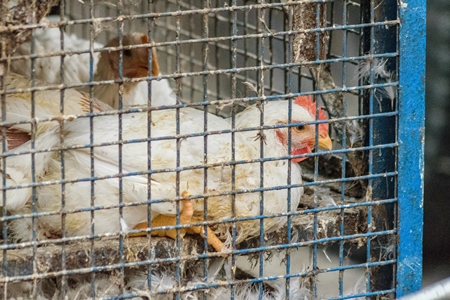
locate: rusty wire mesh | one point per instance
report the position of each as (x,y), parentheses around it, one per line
(219,57)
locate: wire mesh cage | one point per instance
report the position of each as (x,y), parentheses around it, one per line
(211,149)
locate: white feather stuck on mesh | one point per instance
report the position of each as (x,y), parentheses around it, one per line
(355,133)
(377,68)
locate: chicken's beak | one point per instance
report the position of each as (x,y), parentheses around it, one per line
(325,142)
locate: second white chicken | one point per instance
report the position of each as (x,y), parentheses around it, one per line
(77,66)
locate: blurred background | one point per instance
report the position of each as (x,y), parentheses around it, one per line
(437,146)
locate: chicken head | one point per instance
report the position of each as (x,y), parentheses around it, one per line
(303,136)
(134,61)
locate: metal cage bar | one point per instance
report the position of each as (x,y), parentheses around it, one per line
(221,57)
(411,133)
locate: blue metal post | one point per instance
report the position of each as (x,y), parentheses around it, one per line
(380,40)
(411,126)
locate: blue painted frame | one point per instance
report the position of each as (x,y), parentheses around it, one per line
(411,133)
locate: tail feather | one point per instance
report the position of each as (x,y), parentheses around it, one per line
(20,168)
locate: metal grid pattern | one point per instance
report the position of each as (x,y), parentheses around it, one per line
(349,237)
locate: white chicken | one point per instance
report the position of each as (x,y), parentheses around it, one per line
(76,68)
(123,163)
(47,118)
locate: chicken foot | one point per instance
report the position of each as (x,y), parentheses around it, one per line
(186,214)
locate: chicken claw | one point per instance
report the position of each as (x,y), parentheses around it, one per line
(187,212)
(212,238)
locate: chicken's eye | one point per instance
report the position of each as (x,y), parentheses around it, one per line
(127,52)
(299,128)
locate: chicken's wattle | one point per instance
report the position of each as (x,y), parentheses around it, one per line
(304,150)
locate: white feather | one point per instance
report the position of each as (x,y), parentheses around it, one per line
(377,68)
(327,200)
(355,133)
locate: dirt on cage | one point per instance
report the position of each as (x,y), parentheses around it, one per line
(18,18)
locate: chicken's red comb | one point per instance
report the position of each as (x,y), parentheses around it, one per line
(310,106)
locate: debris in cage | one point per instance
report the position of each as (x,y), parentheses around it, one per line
(164,287)
(15,16)
(136,249)
(330,166)
(106,256)
(334,104)
(305,46)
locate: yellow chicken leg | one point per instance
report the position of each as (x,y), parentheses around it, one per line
(186,214)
